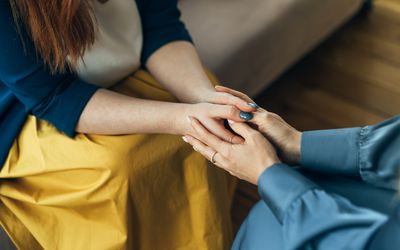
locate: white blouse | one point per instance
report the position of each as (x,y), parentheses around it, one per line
(117,48)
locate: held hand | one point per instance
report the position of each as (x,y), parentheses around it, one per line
(286,138)
(213,116)
(280,133)
(213,107)
(225,98)
(246,161)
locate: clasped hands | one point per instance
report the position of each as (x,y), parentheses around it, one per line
(256,145)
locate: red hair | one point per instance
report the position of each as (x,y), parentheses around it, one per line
(58,28)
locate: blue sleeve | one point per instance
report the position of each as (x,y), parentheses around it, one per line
(56,98)
(161,25)
(387,237)
(312,218)
(370,152)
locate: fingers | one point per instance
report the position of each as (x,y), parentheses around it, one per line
(244,130)
(235,139)
(236,93)
(260,117)
(209,137)
(228,99)
(200,147)
(208,152)
(219,130)
(231,113)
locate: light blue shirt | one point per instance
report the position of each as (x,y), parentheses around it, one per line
(296,213)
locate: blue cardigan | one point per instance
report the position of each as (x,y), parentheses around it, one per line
(27,87)
(304,216)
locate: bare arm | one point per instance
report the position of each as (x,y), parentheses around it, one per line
(178,69)
(112,113)
(176,66)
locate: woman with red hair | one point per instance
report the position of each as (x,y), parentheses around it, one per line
(89,153)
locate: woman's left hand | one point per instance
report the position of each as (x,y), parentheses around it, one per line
(246,161)
(224,98)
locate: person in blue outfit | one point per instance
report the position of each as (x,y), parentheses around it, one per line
(295,212)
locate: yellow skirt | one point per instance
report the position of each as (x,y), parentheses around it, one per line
(113,192)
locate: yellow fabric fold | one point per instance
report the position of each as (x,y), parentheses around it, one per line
(113,192)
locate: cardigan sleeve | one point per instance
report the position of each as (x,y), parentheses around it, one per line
(161,25)
(370,153)
(56,98)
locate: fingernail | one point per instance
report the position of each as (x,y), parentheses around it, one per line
(246,116)
(231,122)
(184,139)
(253,105)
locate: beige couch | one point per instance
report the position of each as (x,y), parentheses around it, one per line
(249,43)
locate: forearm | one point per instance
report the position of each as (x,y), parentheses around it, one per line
(178,68)
(111,113)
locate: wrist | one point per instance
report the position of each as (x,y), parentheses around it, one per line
(272,162)
(265,167)
(294,149)
(179,119)
(201,94)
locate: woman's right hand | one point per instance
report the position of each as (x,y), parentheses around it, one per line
(246,161)
(212,117)
(286,138)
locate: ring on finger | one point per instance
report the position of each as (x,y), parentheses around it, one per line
(213,157)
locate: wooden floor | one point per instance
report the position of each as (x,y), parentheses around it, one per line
(352,79)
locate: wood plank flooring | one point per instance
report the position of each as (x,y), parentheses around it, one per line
(352,79)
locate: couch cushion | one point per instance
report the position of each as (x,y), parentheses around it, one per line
(248,43)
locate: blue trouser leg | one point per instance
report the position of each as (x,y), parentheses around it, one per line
(262,231)
(358,192)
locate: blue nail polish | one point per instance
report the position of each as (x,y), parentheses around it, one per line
(253,105)
(246,116)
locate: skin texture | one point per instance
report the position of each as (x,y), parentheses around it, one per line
(265,133)
(285,138)
(246,161)
(178,68)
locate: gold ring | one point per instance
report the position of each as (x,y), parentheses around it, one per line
(213,156)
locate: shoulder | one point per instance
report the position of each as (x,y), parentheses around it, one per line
(7,22)
(5,8)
